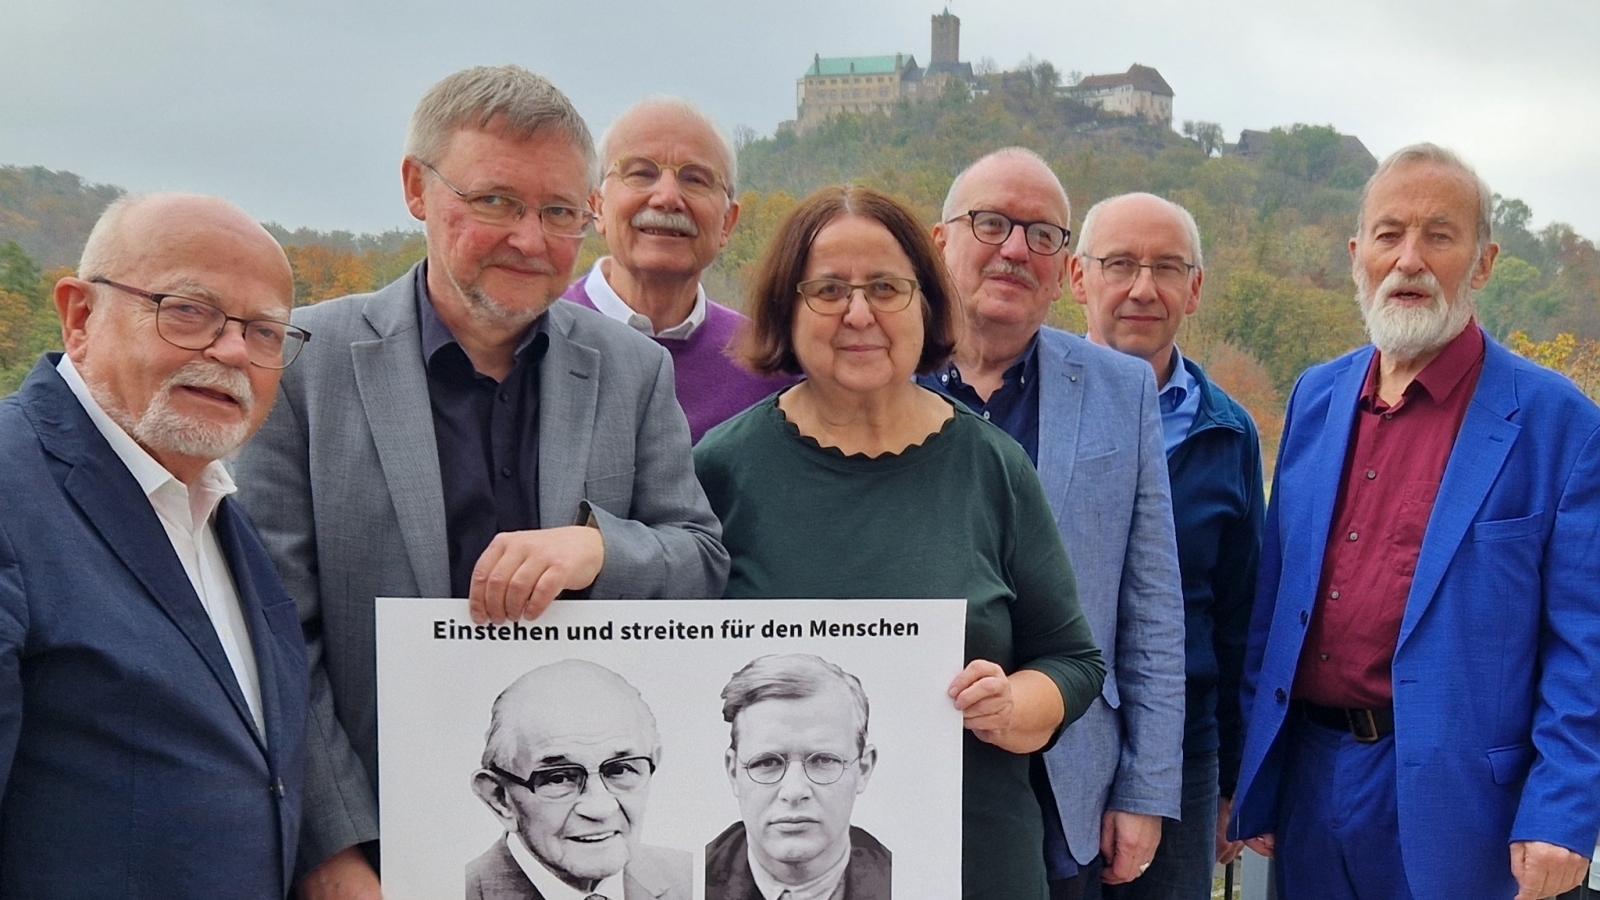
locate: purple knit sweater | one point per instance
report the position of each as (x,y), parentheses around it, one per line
(711,387)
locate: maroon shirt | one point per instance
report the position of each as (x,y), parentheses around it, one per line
(1396,461)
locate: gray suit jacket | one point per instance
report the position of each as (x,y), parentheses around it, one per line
(1104,470)
(653,873)
(343,482)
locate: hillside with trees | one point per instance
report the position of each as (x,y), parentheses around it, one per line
(1278,295)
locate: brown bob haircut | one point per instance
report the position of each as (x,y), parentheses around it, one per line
(768,344)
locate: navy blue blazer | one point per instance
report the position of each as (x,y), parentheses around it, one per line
(130,765)
(1496,704)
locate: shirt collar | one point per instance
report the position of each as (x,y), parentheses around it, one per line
(1438,379)
(1180,384)
(818,888)
(610,303)
(549,884)
(153,478)
(436,334)
(1020,373)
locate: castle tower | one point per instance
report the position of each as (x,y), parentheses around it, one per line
(946,38)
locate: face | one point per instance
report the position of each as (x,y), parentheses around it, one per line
(499,275)
(1416,261)
(1005,286)
(1142,318)
(185,407)
(590,835)
(862,350)
(662,231)
(795,823)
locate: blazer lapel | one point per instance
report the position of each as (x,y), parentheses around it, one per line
(247,578)
(394,394)
(1060,415)
(106,492)
(568,388)
(1480,452)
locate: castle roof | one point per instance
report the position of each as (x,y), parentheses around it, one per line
(860,65)
(1140,78)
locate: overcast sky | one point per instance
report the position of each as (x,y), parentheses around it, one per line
(297,110)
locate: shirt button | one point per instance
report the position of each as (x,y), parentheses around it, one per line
(1371,474)
(1322,656)
(1333,595)
(505,471)
(1388,416)
(944,379)
(1354,535)
(986,414)
(505,397)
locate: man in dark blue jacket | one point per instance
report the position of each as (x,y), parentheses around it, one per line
(1138,273)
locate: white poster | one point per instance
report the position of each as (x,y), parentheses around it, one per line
(590,749)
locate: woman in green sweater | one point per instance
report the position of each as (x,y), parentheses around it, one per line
(858,483)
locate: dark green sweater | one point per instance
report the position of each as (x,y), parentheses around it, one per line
(961,515)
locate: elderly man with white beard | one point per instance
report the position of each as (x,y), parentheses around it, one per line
(1421,713)
(152,670)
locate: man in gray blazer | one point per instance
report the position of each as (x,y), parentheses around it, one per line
(454,434)
(1088,418)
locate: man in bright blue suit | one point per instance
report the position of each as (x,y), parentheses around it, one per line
(1420,687)
(152,670)
(1089,419)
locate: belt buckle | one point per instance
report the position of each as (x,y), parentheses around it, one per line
(1363,725)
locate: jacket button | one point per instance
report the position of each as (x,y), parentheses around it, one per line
(1304,617)
(1280,695)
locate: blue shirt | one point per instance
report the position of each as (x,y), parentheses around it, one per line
(487,434)
(1180,403)
(1014,406)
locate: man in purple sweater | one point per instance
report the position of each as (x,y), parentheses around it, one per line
(667,208)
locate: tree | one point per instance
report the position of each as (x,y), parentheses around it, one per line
(1512,300)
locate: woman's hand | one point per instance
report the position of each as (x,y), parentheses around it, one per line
(1016,712)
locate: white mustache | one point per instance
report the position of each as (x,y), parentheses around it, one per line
(1011,269)
(665,221)
(216,377)
(1422,282)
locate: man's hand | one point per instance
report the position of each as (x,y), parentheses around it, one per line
(1545,870)
(1227,851)
(346,875)
(522,571)
(1264,844)
(1128,842)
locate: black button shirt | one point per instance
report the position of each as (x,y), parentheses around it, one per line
(488,438)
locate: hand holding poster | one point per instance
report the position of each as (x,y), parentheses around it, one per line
(670,749)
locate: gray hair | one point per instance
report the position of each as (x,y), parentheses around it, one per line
(687,110)
(102,252)
(569,679)
(789,676)
(1086,231)
(949,211)
(1439,156)
(524,103)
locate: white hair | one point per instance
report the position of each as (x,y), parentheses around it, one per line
(1439,156)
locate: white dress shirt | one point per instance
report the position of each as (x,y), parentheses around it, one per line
(613,306)
(187,514)
(552,887)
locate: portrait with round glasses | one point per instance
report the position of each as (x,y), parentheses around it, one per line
(798,757)
(567,764)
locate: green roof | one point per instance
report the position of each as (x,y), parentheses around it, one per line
(855,65)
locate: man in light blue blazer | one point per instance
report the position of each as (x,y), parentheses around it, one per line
(1088,417)
(152,672)
(1420,687)
(454,434)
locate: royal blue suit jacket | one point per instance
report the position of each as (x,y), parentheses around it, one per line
(130,765)
(1497,671)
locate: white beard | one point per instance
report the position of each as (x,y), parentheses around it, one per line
(163,429)
(1405,333)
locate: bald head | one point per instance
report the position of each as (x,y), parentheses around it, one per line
(567,701)
(1007,162)
(136,227)
(1142,207)
(656,114)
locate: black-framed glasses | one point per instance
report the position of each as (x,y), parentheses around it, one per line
(820,767)
(990,227)
(498,209)
(620,776)
(831,296)
(195,325)
(1121,271)
(641,173)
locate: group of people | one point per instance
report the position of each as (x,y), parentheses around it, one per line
(1388,688)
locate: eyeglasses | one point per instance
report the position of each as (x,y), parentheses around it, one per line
(821,767)
(694,179)
(831,296)
(195,325)
(1122,271)
(990,227)
(620,776)
(498,209)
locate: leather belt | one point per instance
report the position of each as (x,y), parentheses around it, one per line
(1367,725)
